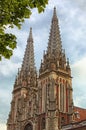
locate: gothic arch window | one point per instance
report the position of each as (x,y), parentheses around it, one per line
(28,127)
(43,123)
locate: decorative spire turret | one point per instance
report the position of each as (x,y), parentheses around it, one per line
(68,66)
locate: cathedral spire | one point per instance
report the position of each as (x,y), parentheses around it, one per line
(54,57)
(28,61)
(54,44)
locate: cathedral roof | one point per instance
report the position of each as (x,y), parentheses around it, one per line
(81,113)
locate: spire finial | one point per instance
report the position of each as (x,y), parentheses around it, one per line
(54,10)
(54,14)
(30,30)
(30,35)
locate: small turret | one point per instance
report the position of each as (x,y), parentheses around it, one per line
(68,67)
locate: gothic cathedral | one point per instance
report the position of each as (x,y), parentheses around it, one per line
(44,101)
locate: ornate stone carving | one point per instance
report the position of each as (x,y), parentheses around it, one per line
(38,101)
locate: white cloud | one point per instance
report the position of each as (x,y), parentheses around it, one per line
(2,126)
(80,3)
(5,96)
(8,67)
(79,82)
(80,101)
(79,71)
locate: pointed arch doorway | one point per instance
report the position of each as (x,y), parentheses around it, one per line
(28,127)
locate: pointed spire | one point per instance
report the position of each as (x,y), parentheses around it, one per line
(54,44)
(28,61)
(28,67)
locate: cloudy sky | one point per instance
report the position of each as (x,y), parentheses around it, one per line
(72,22)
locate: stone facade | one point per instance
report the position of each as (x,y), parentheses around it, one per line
(44,101)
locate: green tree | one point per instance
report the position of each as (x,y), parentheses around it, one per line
(13,13)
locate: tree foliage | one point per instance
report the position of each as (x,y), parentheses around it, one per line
(13,13)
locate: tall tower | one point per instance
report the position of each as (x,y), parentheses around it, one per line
(43,102)
(24,104)
(55,82)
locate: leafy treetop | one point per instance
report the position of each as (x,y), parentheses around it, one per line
(13,13)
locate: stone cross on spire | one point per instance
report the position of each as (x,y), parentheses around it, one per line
(54,44)
(28,61)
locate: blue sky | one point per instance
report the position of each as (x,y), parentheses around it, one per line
(72,22)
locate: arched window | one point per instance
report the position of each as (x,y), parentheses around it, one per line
(28,127)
